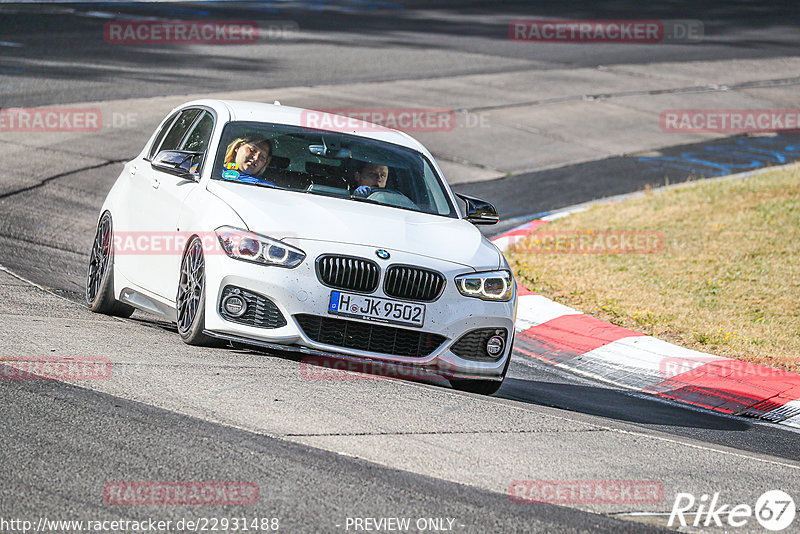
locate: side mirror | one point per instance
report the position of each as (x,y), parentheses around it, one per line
(177,162)
(479,211)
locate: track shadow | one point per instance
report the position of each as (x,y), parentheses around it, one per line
(615,404)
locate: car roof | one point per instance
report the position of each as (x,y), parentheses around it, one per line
(240,110)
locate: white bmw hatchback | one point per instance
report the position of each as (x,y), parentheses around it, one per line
(240,223)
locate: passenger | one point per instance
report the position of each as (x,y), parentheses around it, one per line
(369,176)
(249,156)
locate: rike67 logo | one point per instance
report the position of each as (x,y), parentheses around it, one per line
(774,510)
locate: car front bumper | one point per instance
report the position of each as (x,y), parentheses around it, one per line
(299,291)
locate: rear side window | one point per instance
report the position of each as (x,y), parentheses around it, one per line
(198,138)
(161,134)
(172,141)
(200,135)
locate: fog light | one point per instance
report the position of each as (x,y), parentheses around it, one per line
(494,346)
(234,305)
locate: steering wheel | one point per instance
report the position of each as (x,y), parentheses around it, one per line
(390,197)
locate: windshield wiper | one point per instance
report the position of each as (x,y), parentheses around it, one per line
(328,191)
(251,182)
(369,200)
(261,184)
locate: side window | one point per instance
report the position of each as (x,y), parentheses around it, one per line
(198,139)
(172,141)
(435,196)
(160,136)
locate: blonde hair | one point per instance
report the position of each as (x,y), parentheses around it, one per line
(230,153)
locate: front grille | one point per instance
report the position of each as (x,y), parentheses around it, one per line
(413,283)
(260,310)
(346,272)
(369,337)
(472,345)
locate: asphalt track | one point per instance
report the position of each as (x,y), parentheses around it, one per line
(63,57)
(552,189)
(62,443)
(91,437)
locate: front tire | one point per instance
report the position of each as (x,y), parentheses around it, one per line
(481,387)
(484,387)
(100,275)
(190,302)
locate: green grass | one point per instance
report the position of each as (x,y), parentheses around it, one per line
(727,280)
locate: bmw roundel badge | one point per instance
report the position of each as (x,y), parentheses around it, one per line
(382,254)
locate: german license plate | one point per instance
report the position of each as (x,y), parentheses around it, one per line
(376,309)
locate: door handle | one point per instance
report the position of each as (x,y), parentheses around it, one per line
(155,183)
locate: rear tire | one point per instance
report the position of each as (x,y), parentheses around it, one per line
(100,275)
(484,387)
(190,302)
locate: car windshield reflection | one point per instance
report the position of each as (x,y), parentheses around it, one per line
(330,164)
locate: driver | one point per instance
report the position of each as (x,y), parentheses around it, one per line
(369,176)
(249,156)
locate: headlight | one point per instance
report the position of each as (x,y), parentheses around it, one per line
(247,246)
(494,285)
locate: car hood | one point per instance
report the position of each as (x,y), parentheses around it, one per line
(289,214)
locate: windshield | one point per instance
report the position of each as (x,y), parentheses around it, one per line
(333,164)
